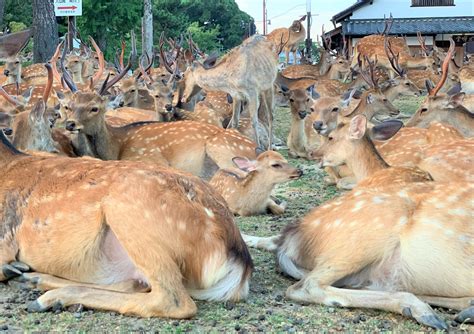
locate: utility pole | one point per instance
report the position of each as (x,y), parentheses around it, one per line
(264,17)
(309,42)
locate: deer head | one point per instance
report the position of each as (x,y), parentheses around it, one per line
(327,110)
(272,165)
(12,69)
(300,101)
(74,64)
(297,25)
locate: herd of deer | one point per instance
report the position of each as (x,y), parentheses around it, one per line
(104,199)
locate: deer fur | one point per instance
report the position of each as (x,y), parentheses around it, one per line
(94,258)
(288,39)
(248,192)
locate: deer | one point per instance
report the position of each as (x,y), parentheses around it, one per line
(466,77)
(442,108)
(409,250)
(288,39)
(95,258)
(349,144)
(301,101)
(247,190)
(193,147)
(253,68)
(12,70)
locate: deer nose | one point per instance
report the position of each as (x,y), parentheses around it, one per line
(70,125)
(395,113)
(121,104)
(7,131)
(6,72)
(318,125)
(169,107)
(302,114)
(300,172)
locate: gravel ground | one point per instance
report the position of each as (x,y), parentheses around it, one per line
(266,309)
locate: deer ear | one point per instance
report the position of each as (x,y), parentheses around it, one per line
(370,98)
(27,94)
(245,164)
(456,100)
(230,100)
(386,130)
(60,95)
(357,127)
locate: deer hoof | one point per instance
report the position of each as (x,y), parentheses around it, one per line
(432,320)
(465,316)
(23,267)
(10,271)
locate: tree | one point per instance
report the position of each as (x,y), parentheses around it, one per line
(147,28)
(2,10)
(206,39)
(46,30)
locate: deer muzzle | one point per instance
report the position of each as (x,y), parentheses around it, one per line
(7,131)
(6,73)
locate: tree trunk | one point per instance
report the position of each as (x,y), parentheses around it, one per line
(2,11)
(46,30)
(147,28)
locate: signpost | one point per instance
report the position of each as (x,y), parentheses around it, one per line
(71,9)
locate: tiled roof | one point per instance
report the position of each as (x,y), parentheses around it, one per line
(427,26)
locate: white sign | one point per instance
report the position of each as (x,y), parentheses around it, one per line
(68,7)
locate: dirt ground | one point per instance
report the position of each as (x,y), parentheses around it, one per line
(266,309)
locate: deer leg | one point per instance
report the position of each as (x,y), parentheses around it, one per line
(276,209)
(9,268)
(287,56)
(452,303)
(269,97)
(48,282)
(162,301)
(465,316)
(236,108)
(253,113)
(266,243)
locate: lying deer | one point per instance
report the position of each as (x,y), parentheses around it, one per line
(442,108)
(184,242)
(389,248)
(349,144)
(249,193)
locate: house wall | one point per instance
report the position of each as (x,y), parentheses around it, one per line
(402,9)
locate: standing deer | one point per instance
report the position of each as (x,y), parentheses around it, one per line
(248,190)
(184,242)
(245,73)
(288,39)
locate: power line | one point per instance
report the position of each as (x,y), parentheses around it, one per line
(286,12)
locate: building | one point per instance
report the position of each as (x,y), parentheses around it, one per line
(436,20)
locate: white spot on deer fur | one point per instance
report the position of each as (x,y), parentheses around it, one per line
(449,232)
(337,222)
(439,205)
(377,199)
(209,212)
(403,194)
(452,198)
(358,193)
(353,223)
(403,220)
(316,222)
(458,212)
(359,205)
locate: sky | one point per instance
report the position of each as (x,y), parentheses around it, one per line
(283,12)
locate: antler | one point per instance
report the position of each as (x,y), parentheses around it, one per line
(100,71)
(107,85)
(122,53)
(7,97)
(143,71)
(53,61)
(422,41)
(66,77)
(445,68)
(49,85)
(369,72)
(388,25)
(163,57)
(393,58)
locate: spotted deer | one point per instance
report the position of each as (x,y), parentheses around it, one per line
(184,242)
(349,144)
(410,254)
(248,190)
(253,66)
(300,107)
(442,108)
(288,39)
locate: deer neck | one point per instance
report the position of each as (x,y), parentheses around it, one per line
(297,132)
(8,152)
(13,79)
(105,140)
(77,77)
(257,183)
(365,160)
(461,119)
(417,63)
(391,93)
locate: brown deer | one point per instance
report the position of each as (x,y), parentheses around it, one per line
(442,108)
(245,73)
(248,191)
(408,252)
(349,144)
(288,39)
(300,106)
(12,70)
(184,242)
(466,77)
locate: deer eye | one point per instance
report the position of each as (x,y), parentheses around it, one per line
(277,166)
(312,109)
(330,138)
(291,100)
(95,109)
(132,91)
(17,62)
(157,96)
(172,96)
(424,110)
(335,109)
(66,107)
(307,100)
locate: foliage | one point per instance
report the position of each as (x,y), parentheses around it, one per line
(214,24)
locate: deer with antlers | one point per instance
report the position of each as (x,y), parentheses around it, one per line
(95,258)
(248,190)
(246,73)
(288,39)
(442,108)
